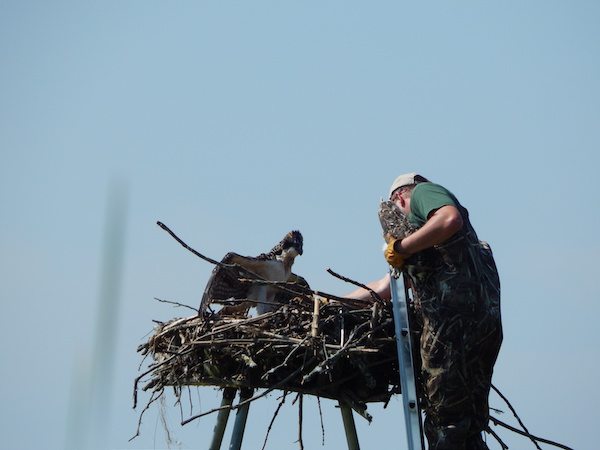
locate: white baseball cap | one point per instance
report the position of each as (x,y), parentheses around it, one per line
(406,180)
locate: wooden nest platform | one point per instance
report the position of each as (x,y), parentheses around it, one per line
(322,348)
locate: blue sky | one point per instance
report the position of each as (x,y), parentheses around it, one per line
(234,122)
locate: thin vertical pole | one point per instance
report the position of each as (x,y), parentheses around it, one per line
(349,427)
(223,416)
(240,420)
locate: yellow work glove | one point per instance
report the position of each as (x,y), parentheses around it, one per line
(393,258)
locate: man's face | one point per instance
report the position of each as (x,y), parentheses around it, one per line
(401,200)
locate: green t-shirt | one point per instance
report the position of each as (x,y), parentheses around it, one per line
(426,198)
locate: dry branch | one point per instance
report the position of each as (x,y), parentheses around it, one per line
(282,401)
(528,435)
(374,295)
(510,406)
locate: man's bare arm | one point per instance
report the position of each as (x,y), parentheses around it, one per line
(442,224)
(381,287)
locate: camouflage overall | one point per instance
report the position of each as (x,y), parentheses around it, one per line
(456,294)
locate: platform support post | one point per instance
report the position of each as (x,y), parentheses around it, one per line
(240,420)
(222,417)
(349,427)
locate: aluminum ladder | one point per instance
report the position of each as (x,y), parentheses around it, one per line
(410,400)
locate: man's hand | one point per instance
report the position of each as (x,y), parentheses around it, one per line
(393,257)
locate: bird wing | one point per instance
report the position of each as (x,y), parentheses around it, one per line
(223,284)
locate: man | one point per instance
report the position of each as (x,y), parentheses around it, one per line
(456,294)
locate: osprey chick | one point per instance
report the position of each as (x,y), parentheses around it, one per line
(224,283)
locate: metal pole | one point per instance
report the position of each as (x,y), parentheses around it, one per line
(412,411)
(219,430)
(240,420)
(349,427)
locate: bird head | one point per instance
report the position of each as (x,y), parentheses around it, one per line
(290,245)
(293,240)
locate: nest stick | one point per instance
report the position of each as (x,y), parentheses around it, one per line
(314,329)
(285,361)
(321,417)
(495,436)
(374,295)
(152,369)
(515,414)
(281,402)
(320,367)
(306,292)
(187,247)
(153,398)
(300,442)
(530,436)
(175,303)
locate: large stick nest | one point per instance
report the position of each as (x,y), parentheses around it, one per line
(352,356)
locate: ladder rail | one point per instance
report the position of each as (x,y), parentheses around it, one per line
(408,385)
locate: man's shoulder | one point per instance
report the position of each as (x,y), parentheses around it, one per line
(428,185)
(429,188)
(427,197)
